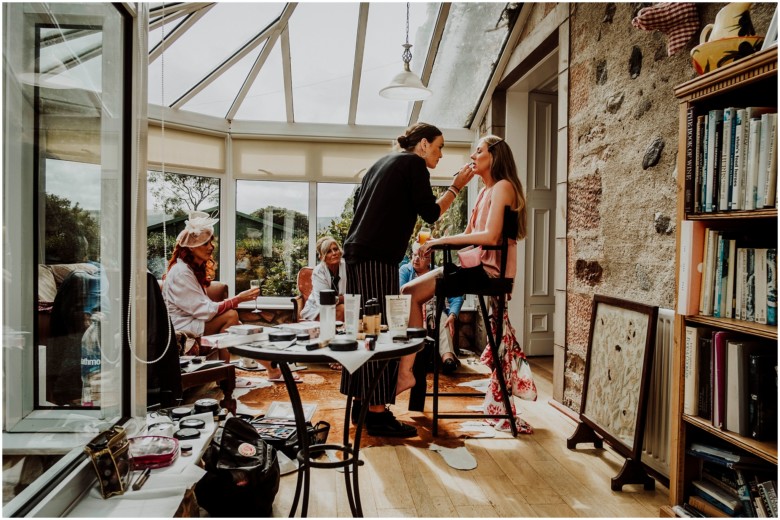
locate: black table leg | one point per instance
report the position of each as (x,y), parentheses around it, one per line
(303,439)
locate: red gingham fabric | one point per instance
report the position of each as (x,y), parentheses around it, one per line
(679,21)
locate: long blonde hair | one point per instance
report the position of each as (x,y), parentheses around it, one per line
(504,168)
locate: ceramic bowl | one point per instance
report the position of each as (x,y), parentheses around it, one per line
(716,53)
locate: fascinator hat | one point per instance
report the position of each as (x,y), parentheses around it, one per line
(198,230)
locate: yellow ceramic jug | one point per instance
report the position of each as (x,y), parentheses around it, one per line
(730,22)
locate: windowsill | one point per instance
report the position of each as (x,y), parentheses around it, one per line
(43,443)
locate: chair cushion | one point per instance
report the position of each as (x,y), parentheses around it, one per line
(47,287)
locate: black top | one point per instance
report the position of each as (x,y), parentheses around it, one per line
(394,191)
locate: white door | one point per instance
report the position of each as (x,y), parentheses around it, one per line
(540,241)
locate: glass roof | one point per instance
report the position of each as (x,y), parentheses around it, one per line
(320,62)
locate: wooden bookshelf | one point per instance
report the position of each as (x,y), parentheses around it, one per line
(750,81)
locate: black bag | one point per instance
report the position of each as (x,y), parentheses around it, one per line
(318,434)
(242,476)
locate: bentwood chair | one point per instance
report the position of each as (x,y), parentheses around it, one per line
(495,288)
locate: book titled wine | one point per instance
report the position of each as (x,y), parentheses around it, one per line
(690,158)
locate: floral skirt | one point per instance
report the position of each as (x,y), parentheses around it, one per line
(517,375)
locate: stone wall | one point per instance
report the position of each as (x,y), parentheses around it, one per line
(622,164)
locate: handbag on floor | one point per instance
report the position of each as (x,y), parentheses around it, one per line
(242,476)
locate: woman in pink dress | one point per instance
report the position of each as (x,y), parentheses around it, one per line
(494,163)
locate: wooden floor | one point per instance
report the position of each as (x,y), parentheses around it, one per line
(531,476)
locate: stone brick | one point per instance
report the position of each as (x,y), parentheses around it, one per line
(584,202)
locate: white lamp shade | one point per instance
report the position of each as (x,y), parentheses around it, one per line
(406,86)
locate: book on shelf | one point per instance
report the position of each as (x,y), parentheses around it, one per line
(731,261)
(771,286)
(686,511)
(743,491)
(737,391)
(720,270)
(714,143)
(752,164)
(740,153)
(726,173)
(760,505)
(690,159)
(717,497)
(706,509)
(705,374)
(691,375)
(723,477)
(768,493)
(710,254)
(750,285)
(692,233)
(739,282)
(760,285)
(762,385)
(771,168)
(719,340)
(763,160)
(705,159)
(701,133)
(723,456)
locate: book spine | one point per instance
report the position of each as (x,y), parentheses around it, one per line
(718,281)
(709,273)
(704,506)
(731,261)
(691,255)
(760,283)
(767,490)
(726,157)
(690,158)
(752,164)
(716,167)
(701,134)
(719,379)
(690,400)
(771,169)
(715,117)
(763,161)
(738,187)
(771,286)
(750,286)
(742,253)
(743,489)
(762,411)
(705,375)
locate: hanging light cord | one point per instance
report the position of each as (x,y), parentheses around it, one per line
(407,54)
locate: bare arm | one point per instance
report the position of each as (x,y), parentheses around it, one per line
(502,195)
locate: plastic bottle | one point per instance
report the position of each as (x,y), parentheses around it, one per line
(327,314)
(90,362)
(371,317)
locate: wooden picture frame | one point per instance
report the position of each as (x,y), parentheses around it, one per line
(616,379)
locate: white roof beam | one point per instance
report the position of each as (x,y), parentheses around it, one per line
(289,105)
(167,14)
(357,67)
(430,58)
(177,32)
(252,75)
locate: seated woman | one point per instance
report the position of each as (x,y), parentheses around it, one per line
(494,163)
(330,273)
(190,271)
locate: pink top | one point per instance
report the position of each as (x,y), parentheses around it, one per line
(491,259)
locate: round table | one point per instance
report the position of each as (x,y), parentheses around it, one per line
(384,353)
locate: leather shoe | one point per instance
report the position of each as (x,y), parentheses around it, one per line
(450,365)
(384,424)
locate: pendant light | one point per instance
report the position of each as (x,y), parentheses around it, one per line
(406,86)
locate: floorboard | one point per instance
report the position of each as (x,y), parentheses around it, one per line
(531,476)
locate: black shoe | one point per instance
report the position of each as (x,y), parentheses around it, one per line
(384,424)
(450,365)
(355,411)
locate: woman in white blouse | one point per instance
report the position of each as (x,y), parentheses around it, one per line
(330,273)
(190,271)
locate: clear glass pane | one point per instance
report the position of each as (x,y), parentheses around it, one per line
(334,209)
(190,58)
(272,234)
(472,41)
(169,199)
(65,215)
(265,100)
(386,32)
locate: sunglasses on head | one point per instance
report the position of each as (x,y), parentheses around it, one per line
(500,140)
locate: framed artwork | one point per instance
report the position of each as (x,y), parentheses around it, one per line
(621,340)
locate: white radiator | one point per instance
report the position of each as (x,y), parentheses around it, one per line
(655,448)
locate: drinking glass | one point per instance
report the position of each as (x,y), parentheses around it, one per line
(424,235)
(255,284)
